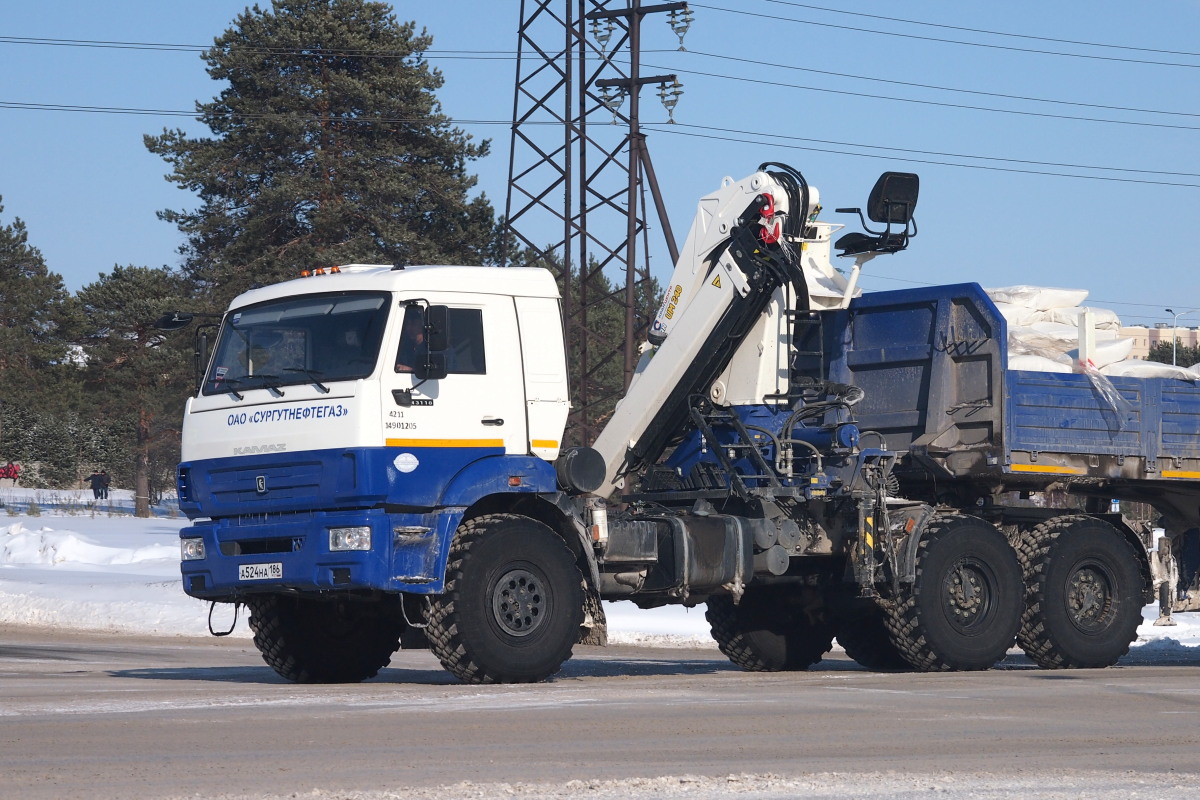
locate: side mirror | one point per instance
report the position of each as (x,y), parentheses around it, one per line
(437,328)
(894,198)
(432,368)
(173,321)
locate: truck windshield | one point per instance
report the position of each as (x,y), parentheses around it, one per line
(313,339)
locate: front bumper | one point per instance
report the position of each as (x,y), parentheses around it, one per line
(408,553)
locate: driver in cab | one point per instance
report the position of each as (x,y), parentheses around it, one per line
(412,339)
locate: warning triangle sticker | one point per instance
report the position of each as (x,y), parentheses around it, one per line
(717,282)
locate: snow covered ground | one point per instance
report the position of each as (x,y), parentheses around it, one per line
(91,565)
(78,564)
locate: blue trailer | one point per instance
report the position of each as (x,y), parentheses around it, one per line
(933,366)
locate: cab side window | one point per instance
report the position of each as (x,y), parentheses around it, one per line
(465,354)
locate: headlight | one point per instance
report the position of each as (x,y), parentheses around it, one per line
(349,539)
(191,549)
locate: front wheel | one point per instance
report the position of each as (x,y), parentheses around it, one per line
(1083,600)
(963,610)
(325,640)
(513,604)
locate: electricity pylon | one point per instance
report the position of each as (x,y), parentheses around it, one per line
(574,203)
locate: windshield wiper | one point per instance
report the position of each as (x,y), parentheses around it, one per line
(228,385)
(269,382)
(313,375)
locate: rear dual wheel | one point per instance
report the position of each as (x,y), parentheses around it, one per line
(862,632)
(964,608)
(1083,599)
(772,628)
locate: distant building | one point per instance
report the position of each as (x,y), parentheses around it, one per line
(1144,338)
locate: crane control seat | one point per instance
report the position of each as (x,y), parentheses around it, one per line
(891,202)
(855,243)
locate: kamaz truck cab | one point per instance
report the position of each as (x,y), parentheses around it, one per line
(331,445)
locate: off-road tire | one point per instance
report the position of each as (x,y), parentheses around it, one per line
(772,629)
(964,608)
(862,632)
(324,640)
(1083,593)
(513,604)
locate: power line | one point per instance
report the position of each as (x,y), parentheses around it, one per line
(662,127)
(875,79)
(158,112)
(773,17)
(102,44)
(938,103)
(508,55)
(163,112)
(982,30)
(466,55)
(942,154)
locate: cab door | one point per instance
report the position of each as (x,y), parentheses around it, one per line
(478,408)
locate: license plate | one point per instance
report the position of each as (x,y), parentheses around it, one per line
(260,572)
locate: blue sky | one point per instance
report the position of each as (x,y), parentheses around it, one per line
(88,190)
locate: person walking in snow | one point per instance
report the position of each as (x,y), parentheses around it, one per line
(96,481)
(105,481)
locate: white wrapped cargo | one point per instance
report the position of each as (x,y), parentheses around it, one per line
(1104,319)
(1039,298)
(1106,353)
(1136,368)
(1017,315)
(1034,363)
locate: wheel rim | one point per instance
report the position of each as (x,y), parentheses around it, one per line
(1090,595)
(968,594)
(519,602)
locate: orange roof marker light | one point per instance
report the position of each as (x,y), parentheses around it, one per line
(335,270)
(338,269)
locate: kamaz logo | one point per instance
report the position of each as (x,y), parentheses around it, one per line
(260,484)
(260,448)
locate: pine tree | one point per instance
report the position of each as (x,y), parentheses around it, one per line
(595,395)
(329,147)
(38,380)
(138,377)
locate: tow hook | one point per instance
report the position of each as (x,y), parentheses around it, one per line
(211,607)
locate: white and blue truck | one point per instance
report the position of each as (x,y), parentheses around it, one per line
(376,453)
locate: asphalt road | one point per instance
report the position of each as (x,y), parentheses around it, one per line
(110,716)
